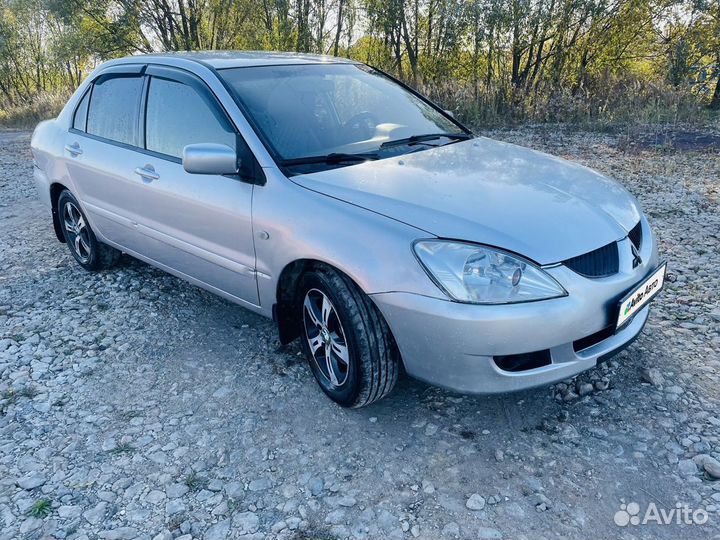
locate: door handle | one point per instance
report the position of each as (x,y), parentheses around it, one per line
(147,172)
(73,149)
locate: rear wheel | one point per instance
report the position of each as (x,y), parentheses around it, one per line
(91,254)
(347,342)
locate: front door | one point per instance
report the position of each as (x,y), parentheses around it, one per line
(198,225)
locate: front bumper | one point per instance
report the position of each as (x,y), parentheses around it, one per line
(453,345)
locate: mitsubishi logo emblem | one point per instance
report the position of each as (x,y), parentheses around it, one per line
(637,260)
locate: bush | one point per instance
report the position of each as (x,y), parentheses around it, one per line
(27,116)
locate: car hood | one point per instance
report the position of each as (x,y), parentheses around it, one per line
(490,192)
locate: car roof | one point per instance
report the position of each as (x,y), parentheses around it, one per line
(233,59)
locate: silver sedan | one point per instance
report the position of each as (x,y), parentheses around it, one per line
(360,216)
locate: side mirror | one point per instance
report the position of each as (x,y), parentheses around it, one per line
(209,158)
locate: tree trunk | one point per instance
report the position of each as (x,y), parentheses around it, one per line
(338,31)
(412,52)
(715,101)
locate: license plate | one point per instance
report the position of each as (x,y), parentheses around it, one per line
(641,295)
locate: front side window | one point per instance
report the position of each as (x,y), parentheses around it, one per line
(177,115)
(114,107)
(322,109)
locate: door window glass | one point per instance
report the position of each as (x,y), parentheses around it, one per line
(177,115)
(114,106)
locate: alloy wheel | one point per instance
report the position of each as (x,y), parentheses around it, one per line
(326,338)
(78,234)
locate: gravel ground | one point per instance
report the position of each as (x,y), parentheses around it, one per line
(135,405)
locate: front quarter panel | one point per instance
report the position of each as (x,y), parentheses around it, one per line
(292,223)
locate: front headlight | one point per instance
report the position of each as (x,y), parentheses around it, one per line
(483,275)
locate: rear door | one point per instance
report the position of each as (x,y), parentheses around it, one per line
(105,137)
(198,225)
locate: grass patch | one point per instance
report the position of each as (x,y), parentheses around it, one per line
(123,448)
(234,505)
(28,392)
(11,395)
(41,509)
(129,415)
(195,482)
(314,532)
(175,522)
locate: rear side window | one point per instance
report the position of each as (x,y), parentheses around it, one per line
(114,107)
(81,112)
(177,115)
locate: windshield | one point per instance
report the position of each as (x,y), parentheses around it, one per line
(314,110)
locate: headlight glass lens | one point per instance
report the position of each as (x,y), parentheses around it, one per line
(482,275)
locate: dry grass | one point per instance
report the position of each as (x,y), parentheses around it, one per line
(604,104)
(27,116)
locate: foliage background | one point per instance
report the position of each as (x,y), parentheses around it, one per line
(491,61)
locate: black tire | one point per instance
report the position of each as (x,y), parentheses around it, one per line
(373,357)
(90,253)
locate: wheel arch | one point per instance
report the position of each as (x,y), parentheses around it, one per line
(56,188)
(286,295)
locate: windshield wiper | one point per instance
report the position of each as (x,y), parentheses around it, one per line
(330,159)
(417,139)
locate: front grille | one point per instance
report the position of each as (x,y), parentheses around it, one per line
(599,263)
(593,339)
(635,235)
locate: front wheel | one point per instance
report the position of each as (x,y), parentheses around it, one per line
(346,340)
(90,253)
